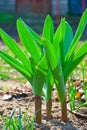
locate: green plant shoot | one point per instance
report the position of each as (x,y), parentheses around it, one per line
(64,55)
(49,59)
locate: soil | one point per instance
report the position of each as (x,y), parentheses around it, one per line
(75,122)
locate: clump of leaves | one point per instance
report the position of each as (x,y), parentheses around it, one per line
(63,54)
(49,59)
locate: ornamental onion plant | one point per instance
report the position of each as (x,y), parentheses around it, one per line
(45,79)
(33,65)
(63,54)
(49,59)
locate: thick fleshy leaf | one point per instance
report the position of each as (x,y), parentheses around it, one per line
(16,50)
(55,68)
(34,35)
(78,34)
(16,64)
(58,36)
(68,37)
(28,41)
(39,76)
(66,42)
(58,40)
(59,81)
(50,51)
(38,82)
(47,89)
(75,60)
(43,65)
(48,29)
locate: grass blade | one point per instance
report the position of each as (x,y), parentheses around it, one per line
(20,119)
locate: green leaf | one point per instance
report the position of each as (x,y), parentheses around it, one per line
(68,37)
(42,65)
(40,76)
(55,68)
(66,42)
(59,81)
(58,36)
(38,82)
(58,40)
(28,40)
(51,54)
(48,29)
(47,89)
(75,60)
(16,50)
(34,35)
(16,64)
(78,34)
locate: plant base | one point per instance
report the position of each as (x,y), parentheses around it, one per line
(48,109)
(37,100)
(64,111)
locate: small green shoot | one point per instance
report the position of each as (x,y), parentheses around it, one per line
(71,94)
(20,122)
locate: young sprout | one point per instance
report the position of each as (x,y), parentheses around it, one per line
(71,94)
(83,83)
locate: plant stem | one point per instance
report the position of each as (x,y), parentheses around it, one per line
(48,109)
(59,81)
(64,111)
(37,100)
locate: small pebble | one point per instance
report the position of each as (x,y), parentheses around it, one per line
(83,98)
(7,97)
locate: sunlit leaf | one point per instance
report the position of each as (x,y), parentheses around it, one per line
(50,51)
(16,50)
(48,29)
(28,41)
(16,64)
(78,34)
(75,60)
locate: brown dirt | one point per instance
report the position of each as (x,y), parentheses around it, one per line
(74,123)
